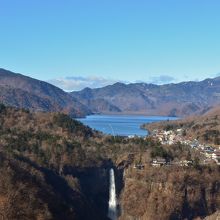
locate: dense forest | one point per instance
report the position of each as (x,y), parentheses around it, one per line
(54,167)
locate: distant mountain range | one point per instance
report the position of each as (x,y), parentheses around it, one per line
(180,99)
(25,92)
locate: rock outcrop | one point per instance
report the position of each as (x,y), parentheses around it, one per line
(174,194)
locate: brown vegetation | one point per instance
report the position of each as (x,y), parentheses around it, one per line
(205,128)
(170,193)
(53,167)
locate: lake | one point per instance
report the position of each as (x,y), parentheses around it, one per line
(123,125)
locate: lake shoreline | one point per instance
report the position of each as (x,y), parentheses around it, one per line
(131,114)
(121,125)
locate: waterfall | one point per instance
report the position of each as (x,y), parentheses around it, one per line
(112,203)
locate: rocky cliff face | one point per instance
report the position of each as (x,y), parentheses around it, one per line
(170,195)
(94,184)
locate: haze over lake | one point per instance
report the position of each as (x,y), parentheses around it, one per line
(123,125)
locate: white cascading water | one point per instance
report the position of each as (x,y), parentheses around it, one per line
(112,203)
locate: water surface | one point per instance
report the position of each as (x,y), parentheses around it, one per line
(124,125)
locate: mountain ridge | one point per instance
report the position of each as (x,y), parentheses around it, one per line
(180,99)
(25,92)
(174,99)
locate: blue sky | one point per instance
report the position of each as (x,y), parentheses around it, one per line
(77,43)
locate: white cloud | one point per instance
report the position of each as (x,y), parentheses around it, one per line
(162,79)
(73,83)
